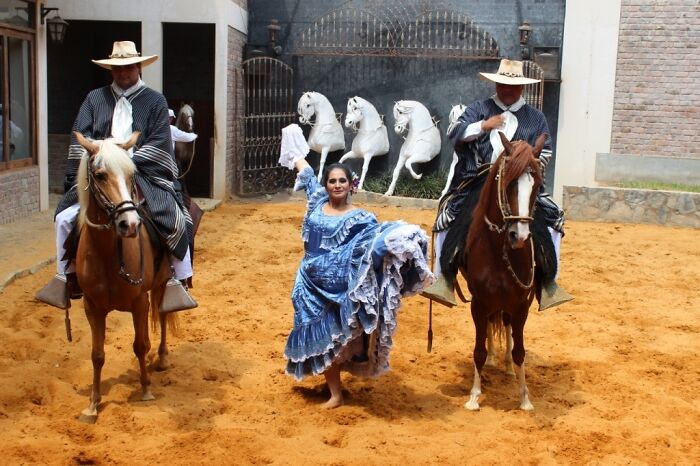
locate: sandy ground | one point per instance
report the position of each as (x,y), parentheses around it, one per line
(614,375)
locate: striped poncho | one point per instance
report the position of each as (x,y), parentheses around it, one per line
(153,156)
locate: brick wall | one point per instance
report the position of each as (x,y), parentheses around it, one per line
(236,42)
(657,87)
(19,193)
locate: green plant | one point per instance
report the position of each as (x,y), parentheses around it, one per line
(658,186)
(428,187)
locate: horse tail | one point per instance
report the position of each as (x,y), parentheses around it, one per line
(171,320)
(497,326)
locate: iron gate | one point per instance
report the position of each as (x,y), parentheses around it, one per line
(267,107)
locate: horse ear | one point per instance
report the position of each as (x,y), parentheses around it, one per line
(506,143)
(539,144)
(132,140)
(89,146)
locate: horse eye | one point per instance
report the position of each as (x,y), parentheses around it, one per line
(100,176)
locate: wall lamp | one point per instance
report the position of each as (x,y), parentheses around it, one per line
(56,26)
(525,31)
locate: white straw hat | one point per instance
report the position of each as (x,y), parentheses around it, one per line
(124,53)
(509,72)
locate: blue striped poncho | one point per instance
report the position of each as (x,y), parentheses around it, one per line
(350,281)
(153,156)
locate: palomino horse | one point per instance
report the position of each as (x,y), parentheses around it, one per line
(116,263)
(371,139)
(422,142)
(500,258)
(184,151)
(326,132)
(455,113)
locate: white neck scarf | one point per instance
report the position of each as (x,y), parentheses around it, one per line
(122,119)
(510,124)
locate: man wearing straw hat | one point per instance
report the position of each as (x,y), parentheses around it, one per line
(477,143)
(115,111)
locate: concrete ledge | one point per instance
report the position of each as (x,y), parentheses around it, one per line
(613,168)
(672,208)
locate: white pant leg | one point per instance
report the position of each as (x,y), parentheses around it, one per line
(183,268)
(439,241)
(556,239)
(64,225)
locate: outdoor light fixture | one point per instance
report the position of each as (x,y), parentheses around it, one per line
(273,30)
(56,26)
(525,31)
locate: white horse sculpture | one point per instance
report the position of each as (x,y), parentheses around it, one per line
(455,113)
(371,139)
(422,142)
(326,132)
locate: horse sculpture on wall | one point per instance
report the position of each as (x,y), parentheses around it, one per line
(117,264)
(455,113)
(371,140)
(500,259)
(422,142)
(326,132)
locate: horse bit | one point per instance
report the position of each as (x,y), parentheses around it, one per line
(509,218)
(113,211)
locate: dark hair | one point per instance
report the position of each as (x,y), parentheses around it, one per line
(328,168)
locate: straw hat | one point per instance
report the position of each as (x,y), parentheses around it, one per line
(509,72)
(124,53)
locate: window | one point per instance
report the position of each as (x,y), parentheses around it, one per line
(17,86)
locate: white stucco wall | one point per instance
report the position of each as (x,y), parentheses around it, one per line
(151,14)
(589,57)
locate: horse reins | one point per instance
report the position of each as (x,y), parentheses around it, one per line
(509,218)
(113,211)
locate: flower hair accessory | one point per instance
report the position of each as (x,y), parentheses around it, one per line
(354,183)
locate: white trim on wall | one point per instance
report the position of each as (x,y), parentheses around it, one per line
(589,60)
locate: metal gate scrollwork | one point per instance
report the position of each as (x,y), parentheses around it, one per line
(267,108)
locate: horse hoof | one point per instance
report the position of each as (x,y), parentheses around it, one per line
(527,406)
(490,361)
(88,416)
(148,396)
(472,405)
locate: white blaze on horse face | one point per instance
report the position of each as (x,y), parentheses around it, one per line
(127,222)
(525,185)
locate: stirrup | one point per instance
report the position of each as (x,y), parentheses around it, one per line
(55,293)
(441,291)
(176,297)
(553,295)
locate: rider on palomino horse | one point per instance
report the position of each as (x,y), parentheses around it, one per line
(115,111)
(476,140)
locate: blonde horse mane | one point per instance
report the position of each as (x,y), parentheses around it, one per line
(111,157)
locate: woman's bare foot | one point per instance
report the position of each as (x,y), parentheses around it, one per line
(333,402)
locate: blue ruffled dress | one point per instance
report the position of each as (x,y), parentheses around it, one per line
(350,281)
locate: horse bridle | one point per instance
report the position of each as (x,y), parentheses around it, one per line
(508,219)
(113,211)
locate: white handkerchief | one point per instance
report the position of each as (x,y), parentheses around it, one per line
(510,124)
(293,146)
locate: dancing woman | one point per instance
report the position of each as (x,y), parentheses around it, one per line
(349,285)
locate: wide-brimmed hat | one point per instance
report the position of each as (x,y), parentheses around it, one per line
(509,72)
(124,53)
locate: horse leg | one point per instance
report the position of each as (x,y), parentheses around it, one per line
(324,154)
(365,167)
(97,320)
(142,344)
(409,167)
(395,176)
(480,323)
(490,346)
(163,363)
(508,358)
(518,324)
(348,155)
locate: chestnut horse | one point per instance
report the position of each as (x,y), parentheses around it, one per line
(500,262)
(116,263)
